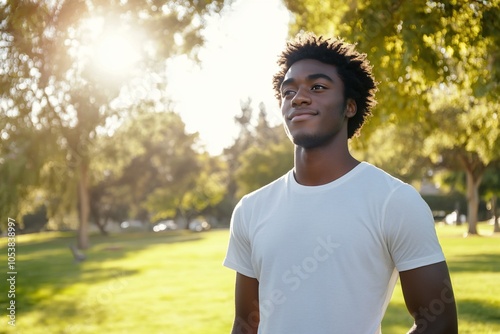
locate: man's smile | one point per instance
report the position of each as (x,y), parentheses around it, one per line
(299,115)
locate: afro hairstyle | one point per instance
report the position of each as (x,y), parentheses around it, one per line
(352,67)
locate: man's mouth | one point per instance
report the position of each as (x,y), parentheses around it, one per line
(301,115)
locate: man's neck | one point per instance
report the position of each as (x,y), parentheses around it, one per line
(322,165)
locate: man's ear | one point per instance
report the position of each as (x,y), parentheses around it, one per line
(350,108)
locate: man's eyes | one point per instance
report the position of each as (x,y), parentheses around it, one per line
(290,92)
(318,87)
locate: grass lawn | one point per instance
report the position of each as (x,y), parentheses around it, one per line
(173,283)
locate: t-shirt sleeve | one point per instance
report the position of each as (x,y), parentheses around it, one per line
(410,232)
(239,251)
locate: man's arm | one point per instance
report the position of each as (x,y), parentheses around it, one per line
(246,320)
(429,298)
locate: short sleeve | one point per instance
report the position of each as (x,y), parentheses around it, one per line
(409,230)
(239,251)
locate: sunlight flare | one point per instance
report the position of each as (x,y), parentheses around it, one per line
(112,48)
(115,53)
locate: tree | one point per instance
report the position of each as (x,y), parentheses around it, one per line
(55,97)
(397,150)
(490,189)
(467,138)
(147,167)
(261,153)
(420,51)
(231,154)
(261,165)
(196,195)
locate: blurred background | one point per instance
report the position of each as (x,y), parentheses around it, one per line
(154,116)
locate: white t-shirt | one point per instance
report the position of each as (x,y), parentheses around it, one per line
(327,257)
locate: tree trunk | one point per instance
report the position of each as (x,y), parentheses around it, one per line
(96,217)
(102,226)
(472,201)
(496,228)
(83,194)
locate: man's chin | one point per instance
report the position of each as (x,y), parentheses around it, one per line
(310,141)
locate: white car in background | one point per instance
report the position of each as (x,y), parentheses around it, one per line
(132,224)
(165,225)
(199,225)
(453,218)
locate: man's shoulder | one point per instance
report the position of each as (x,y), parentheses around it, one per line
(376,174)
(378,183)
(277,185)
(396,191)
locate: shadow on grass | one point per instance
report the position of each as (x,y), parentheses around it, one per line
(479,312)
(396,319)
(46,269)
(43,294)
(488,262)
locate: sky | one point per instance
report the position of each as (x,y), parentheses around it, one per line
(237,63)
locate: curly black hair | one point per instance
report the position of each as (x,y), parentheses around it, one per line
(353,68)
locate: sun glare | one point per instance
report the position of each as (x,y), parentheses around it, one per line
(111,47)
(115,53)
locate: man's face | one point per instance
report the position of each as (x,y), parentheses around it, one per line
(313,105)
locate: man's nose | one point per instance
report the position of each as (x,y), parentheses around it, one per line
(301,97)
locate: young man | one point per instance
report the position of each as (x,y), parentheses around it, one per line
(319,250)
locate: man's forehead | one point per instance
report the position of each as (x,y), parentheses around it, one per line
(307,67)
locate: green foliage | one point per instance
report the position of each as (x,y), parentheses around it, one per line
(261,154)
(396,149)
(262,165)
(466,125)
(149,166)
(203,189)
(23,168)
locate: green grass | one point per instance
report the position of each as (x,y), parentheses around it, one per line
(175,283)
(132,283)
